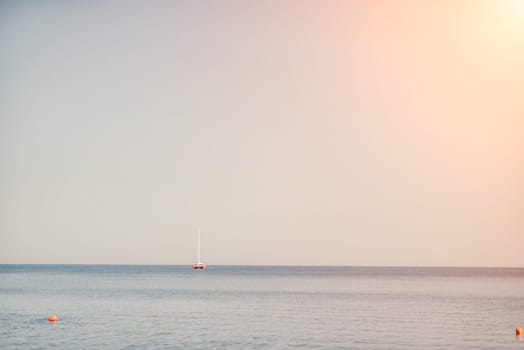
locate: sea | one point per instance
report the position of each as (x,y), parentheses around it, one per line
(260,307)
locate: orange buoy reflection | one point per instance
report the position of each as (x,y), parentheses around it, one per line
(53,318)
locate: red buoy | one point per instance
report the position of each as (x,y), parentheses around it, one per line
(518,331)
(53,318)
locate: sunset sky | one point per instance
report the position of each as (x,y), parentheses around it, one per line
(291,132)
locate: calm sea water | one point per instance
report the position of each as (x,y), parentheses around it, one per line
(173,307)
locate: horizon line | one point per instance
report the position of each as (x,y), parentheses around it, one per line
(275,265)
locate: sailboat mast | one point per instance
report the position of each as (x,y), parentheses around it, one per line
(199,265)
(198,257)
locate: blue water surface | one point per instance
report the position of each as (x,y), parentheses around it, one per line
(259,307)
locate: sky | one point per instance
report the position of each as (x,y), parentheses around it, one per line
(370,133)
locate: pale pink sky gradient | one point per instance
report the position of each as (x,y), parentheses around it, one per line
(292,132)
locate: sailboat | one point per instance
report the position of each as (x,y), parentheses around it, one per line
(199,265)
